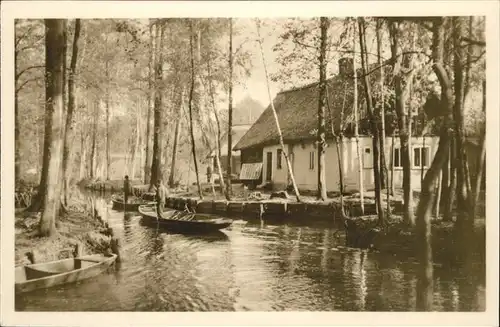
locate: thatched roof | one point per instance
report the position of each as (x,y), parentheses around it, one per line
(297,111)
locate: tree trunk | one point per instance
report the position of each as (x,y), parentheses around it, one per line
(151,93)
(70,121)
(438,194)
(463,184)
(452,187)
(108,159)
(17,128)
(191,92)
(384,175)
(481,161)
(421,161)
(55,30)
(468,67)
(373,121)
(93,159)
(445,180)
(157,148)
(356,124)
(217,121)
(83,158)
(404,122)
(289,166)
(321,134)
(392,163)
(136,143)
(171,178)
(339,142)
(229,190)
(424,208)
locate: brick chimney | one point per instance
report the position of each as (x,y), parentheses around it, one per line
(345,66)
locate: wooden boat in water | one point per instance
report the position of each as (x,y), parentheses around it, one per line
(49,274)
(132,204)
(182,221)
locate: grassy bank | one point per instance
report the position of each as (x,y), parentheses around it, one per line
(74,227)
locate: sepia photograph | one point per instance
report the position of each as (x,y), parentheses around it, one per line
(325,162)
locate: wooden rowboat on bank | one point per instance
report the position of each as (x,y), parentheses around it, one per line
(183,222)
(49,274)
(132,204)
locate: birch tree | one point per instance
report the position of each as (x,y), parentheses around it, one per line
(289,166)
(356,121)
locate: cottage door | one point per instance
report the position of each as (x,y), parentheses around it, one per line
(269,166)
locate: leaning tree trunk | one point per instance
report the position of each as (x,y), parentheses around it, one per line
(356,123)
(54,69)
(424,208)
(191,93)
(289,166)
(374,125)
(70,121)
(230,116)
(156,165)
(321,134)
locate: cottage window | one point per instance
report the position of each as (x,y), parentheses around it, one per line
(397,158)
(420,157)
(311,160)
(279,158)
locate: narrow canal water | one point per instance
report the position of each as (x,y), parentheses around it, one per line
(255,266)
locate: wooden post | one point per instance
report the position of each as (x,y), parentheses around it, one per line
(115,248)
(78,252)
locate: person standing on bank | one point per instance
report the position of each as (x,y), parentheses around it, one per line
(126,188)
(209,174)
(160,198)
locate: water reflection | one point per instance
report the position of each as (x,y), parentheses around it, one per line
(260,267)
(127,218)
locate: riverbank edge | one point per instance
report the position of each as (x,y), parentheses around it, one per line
(78,233)
(263,208)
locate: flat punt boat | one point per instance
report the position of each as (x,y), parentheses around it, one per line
(132,204)
(183,222)
(49,274)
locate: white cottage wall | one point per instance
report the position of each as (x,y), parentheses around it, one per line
(307,177)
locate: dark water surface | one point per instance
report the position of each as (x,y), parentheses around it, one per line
(258,267)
